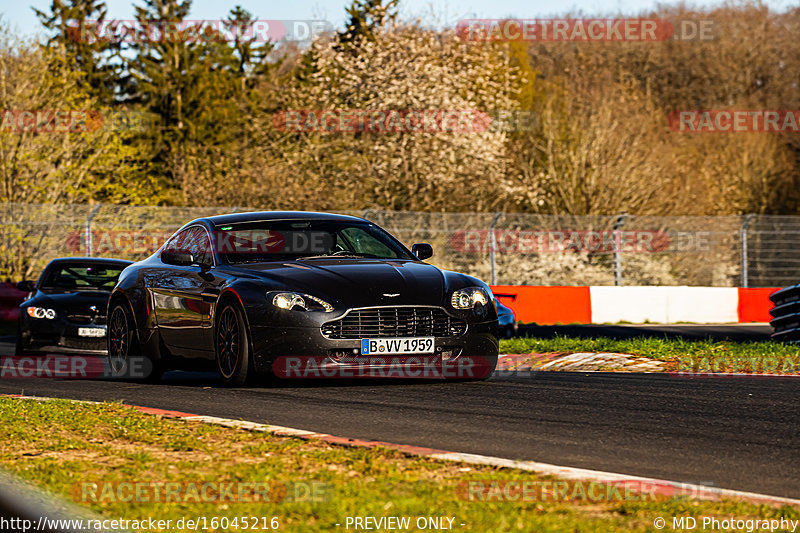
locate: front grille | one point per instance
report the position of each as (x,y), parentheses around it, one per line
(100,320)
(83,344)
(394,322)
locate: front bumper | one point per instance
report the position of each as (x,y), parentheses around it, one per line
(280,349)
(60,336)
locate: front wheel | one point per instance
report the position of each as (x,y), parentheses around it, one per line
(232,346)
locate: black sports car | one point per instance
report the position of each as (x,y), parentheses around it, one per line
(66,309)
(300,295)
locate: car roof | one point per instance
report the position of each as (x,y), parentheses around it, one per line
(97,260)
(258,216)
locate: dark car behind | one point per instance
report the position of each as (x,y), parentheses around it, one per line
(66,310)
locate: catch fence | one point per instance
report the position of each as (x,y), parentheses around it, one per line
(500,248)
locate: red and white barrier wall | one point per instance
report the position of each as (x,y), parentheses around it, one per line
(660,305)
(586,305)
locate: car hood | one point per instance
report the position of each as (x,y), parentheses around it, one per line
(77,302)
(357,282)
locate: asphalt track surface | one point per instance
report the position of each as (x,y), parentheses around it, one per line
(736,433)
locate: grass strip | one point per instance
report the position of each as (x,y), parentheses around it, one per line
(67,446)
(680,354)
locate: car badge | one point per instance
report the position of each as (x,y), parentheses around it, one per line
(93,309)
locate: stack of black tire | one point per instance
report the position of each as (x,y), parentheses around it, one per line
(786,314)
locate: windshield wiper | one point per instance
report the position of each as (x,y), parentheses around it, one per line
(231,261)
(355,255)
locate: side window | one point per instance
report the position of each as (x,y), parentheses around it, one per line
(195,241)
(178,241)
(202,247)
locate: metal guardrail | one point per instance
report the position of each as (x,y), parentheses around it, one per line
(24,508)
(786,314)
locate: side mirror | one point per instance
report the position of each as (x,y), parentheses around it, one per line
(26,286)
(176,258)
(422,250)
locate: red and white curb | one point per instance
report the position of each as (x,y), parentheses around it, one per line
(580,362)
(618,363)
(656,486)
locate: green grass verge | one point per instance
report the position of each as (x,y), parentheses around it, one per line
(59,445)
(681,354)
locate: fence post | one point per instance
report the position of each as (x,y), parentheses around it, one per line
(617,252)
(743,239)
(492,242)
(89,218)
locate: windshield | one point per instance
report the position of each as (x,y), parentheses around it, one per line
(284,240)
(80,277)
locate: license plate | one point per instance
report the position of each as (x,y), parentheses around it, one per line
(396,346)
(91,332)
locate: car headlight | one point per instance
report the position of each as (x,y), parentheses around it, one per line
(469,298)
(41,312)
(296,301)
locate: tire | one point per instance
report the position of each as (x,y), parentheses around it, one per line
(123,345)
(232,346)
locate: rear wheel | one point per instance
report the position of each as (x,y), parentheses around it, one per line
(232,346)
(119,341)
(124,353)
